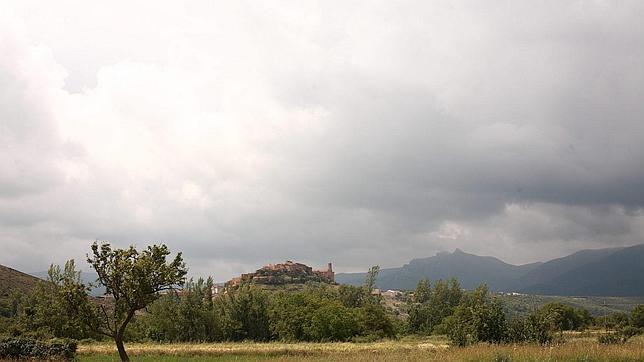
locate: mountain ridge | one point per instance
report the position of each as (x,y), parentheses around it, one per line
(617,271)
(12,280)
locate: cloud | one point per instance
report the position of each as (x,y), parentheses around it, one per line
(361,133)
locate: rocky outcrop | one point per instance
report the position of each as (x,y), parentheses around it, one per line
(285,273)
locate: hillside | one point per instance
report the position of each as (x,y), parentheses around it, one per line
(601,272)
(555,268)
(13,280)
(616,272)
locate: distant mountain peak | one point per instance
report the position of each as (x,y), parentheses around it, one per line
(598,272)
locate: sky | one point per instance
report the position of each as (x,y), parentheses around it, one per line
(243,133)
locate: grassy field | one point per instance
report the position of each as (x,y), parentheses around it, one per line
(577,348)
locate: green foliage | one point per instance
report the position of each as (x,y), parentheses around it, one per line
(423,291)
(316,313)
(351,296)
(540,326)
(334,322)
(244,314)
(532,328)
(637,316)
(370,280)
(307,316)
(433,304)
(619,336)
(185,317)
(477,319)
(291,315)
(376,321)
(562,317)
(56,308)
(28,348)
(615,320)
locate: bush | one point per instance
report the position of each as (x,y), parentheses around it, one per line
(27,348)
(620,336)
(610,338)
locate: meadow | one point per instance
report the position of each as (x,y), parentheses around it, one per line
(576,347)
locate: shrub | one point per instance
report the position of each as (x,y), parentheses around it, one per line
(27,348)
(620,336)
(610,338)
(532,328)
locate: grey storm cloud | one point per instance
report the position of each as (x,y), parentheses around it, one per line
(355,132)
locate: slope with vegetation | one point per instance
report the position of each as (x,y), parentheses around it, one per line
(12,281)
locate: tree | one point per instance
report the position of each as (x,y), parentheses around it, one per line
(637,316)
(333,322)
(423,291)
(563,317)
(532,328)
(133,279)
(615,320)
(433,305)
(351,296)
(370,280)
(477,318)
(244,314)
(376,321)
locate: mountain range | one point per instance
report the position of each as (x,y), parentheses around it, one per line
(598,272)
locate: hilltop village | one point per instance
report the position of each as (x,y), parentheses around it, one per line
(285,273)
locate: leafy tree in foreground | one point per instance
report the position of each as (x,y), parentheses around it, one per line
(134,280)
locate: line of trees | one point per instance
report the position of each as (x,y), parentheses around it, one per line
(317,313)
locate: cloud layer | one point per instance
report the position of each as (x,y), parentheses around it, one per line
(360,133)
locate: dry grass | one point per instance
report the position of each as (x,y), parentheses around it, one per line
(575,349)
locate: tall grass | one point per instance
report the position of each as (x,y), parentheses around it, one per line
(575,349)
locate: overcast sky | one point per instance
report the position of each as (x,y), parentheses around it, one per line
(361,133)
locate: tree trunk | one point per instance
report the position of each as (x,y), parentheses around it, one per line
(121,348)
(118,336)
